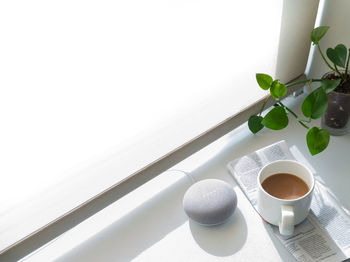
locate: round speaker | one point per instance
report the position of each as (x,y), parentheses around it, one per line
(210,202)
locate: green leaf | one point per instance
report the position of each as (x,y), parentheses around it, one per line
(278,89)
(318,33)
(264,81)
(317,140)
(329,85)
(337,55)
(315,104)
(254,123)
(276,119)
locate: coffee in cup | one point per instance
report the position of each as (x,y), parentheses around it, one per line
(285,186)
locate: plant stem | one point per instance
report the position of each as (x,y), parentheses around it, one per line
(324,59)
(309,85)
(336,69)
(305,121)
(303,81)
(347,65)
(263,106)
(294,114)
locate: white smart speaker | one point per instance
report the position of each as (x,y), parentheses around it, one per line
(210,202)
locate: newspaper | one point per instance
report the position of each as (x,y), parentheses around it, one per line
(324,235)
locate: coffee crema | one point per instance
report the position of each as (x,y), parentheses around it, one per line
(285,186)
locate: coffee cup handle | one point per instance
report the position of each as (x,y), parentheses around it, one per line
(286,226)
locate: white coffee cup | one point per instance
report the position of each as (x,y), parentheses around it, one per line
(285,213)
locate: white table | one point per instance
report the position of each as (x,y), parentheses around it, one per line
(149,224)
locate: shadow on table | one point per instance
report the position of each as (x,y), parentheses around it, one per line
(137,231)
(222,240)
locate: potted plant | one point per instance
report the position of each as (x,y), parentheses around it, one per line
(330,101)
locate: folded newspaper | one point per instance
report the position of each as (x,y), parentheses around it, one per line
(324,235)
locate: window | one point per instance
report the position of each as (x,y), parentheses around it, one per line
(96,91)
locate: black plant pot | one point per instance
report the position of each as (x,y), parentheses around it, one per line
(336,118)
